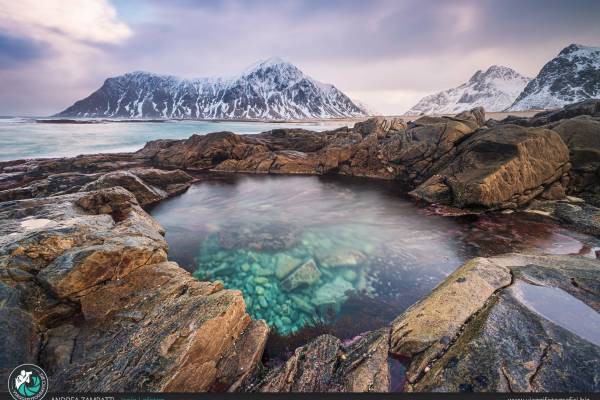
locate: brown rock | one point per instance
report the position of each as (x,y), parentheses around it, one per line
(199,151)
(326,365)
(495,165)
(148,185)
(118,317)
(425,330)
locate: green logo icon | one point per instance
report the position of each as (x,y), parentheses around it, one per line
(28,382)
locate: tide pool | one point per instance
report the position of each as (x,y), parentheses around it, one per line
(347,253)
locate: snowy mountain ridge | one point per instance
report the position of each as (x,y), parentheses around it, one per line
(495,90)
(572,76)
(270,89)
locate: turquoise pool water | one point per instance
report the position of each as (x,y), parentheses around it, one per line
(346,253)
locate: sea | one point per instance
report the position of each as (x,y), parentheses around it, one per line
(30,137)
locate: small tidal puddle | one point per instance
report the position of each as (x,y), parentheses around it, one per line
(561,308)
(347,253)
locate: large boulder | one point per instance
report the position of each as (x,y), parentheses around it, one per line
(502,167)
(202,152)
(379,126)
(305,275)
(582,137)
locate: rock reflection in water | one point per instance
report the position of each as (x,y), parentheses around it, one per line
(561,308)
(351,254)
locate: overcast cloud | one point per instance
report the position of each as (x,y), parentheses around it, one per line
(385,53)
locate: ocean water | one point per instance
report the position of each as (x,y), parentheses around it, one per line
(26,138)
(350,254)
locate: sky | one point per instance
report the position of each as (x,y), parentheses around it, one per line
(385,53)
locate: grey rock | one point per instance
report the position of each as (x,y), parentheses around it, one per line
(305,275)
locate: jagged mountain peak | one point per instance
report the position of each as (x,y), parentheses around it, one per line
(272,62)
(494,89)
(574,47)
(269,89)
(572,76)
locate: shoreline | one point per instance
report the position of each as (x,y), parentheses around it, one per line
(50,120)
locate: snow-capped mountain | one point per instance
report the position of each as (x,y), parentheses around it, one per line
(572,76)
(271,89)
(495,90)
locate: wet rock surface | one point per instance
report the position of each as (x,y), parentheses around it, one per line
(534,332)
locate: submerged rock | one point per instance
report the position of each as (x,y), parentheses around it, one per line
(332,294)
(285,265)
(305,275)
(340,257)
(260,238)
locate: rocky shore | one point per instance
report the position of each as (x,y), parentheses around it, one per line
(86,282)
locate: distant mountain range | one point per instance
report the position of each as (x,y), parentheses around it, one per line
(271,89)
(494,89)
(277,90)
(572,76)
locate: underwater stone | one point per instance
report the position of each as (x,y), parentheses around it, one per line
(224,268)
(263,302)
(260,290)
(260,280)
(332,292)
(350,275)
(264,272)
(303,305)
(306,274)
(256,267)
(336,258)
(245,267)
(285,265)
